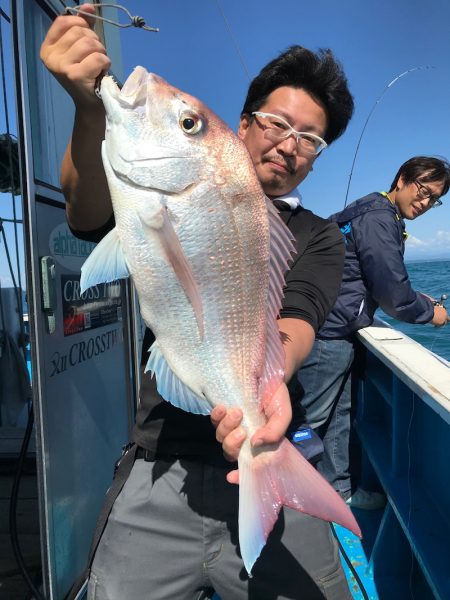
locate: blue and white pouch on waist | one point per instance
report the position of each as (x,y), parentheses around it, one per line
(308,443)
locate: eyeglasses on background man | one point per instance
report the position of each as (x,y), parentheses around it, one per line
(423,193)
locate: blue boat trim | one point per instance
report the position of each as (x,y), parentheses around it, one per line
(403,423)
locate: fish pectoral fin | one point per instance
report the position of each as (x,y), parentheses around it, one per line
(172,388)
(158,220)
(105,263)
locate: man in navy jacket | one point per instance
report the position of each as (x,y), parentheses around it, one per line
(374,276)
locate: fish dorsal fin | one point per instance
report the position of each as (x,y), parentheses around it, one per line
(158,220)
(172,388)
(281,250)
(105,263)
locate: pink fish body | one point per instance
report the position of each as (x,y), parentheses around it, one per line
(207,252)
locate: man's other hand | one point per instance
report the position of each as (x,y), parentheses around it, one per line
(74,54)
(440,316)
(231,434)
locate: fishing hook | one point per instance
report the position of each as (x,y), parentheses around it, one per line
(370,114)
(135,21)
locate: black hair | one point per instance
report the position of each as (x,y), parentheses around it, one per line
(319,74)
(426,169)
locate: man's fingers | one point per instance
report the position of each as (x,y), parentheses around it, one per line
(88,57)
(233,476)
(231,435)
(228,423)
(63,24)
(77,36)
(89,67)
(232,443)
(217,414)
(74,54)
(272,432)
(71,48)
(279,415)
(89,9)
(228,430)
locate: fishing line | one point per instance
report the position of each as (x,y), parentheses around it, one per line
(435,337)
(233,40)
(135,21)
(389,85)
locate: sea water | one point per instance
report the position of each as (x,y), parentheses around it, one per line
(431,278)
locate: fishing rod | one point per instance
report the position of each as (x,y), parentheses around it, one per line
(378,100)
(441,300)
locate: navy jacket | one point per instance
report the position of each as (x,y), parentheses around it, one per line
(374,271)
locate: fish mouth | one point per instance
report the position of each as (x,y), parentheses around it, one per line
(109,90)
(134,82)
(132,92)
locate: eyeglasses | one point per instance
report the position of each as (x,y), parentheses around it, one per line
(278,129)
(423,192)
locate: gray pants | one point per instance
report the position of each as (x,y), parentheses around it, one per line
(172,533)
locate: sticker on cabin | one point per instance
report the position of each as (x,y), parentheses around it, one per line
(98,306)
(69,251)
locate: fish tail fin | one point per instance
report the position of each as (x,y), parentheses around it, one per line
(271,479)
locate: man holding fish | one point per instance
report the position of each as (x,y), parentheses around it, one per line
(173,530)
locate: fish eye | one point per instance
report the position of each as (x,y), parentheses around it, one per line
(190,123)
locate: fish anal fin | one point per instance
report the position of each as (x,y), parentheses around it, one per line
(172,388)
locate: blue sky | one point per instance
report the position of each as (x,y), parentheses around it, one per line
(375,41)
